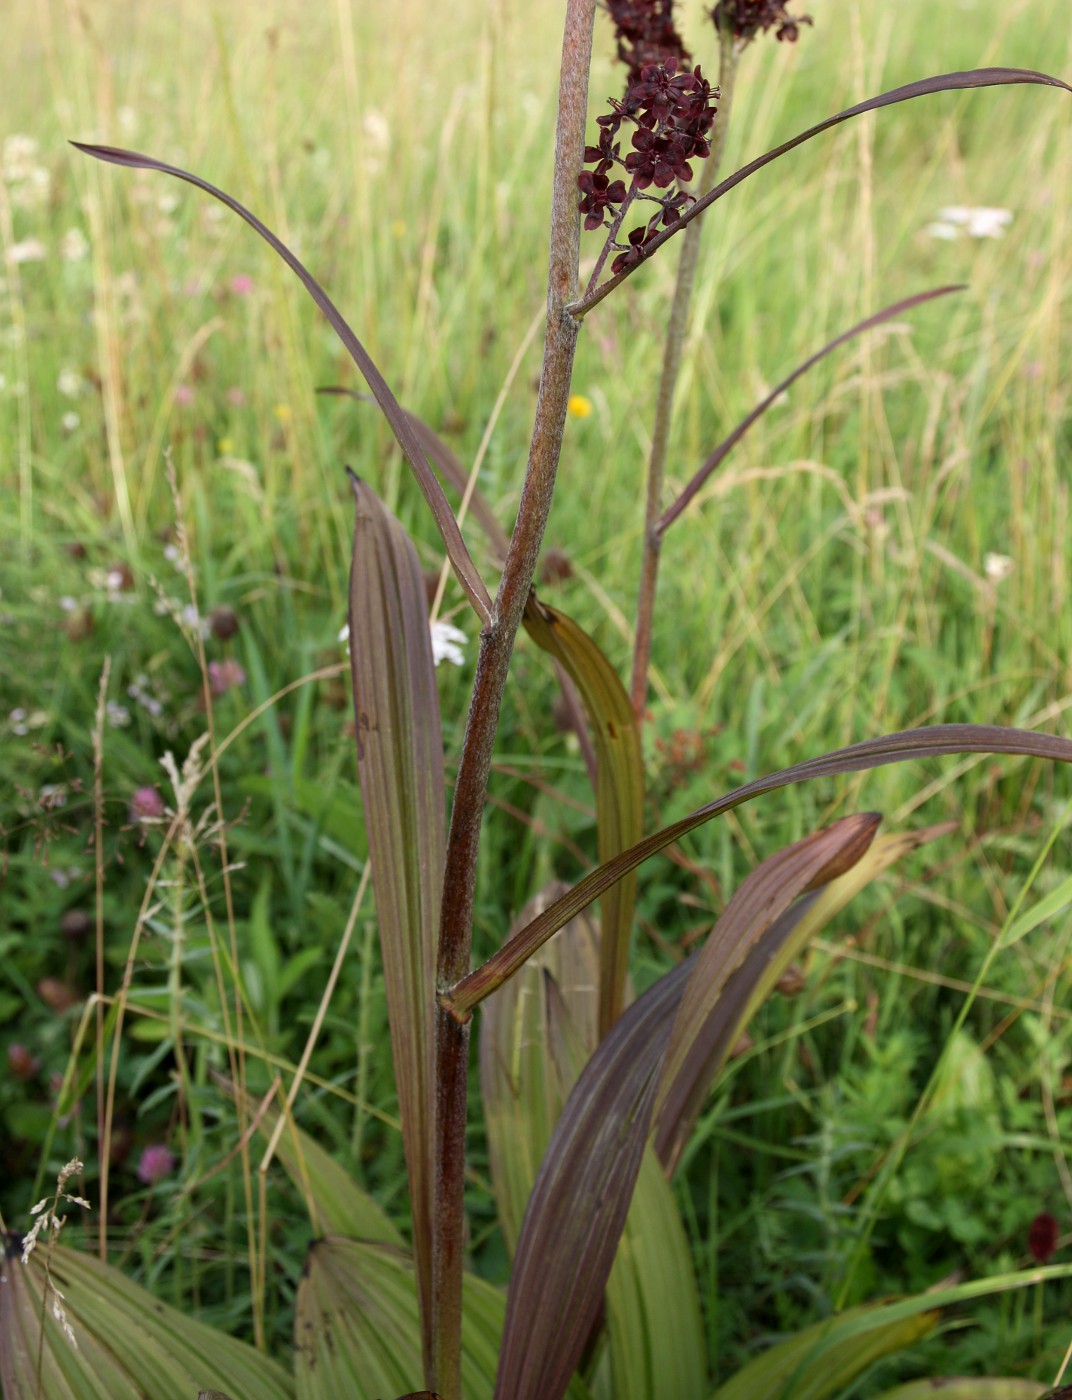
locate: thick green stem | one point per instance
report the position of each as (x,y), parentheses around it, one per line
(443,1367)
(664,407)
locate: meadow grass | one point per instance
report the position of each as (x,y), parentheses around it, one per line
(887,548)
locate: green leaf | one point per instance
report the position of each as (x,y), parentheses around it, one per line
(654,1322)
(822,1360)
(127,1344)
(971,1388)
(619,784)
(400,766)
(1047,908)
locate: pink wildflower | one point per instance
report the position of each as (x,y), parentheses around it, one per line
(156,1163)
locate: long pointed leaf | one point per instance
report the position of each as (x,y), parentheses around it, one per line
(619,784)
(466,570)
(942,82)
(400,765)
(727,445)
(972,1388)
(936,740)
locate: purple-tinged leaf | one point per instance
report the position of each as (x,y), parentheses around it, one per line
(724,448)
(764,962)
(400,766)
(872,753)
(580,1201)
(619,784)
(707,1019)
(448,466)
(942,82)
(459,556)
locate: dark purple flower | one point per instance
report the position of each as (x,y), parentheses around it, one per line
(1042,1237)
(745,18)
(638,240)
(646,33)
(600,196)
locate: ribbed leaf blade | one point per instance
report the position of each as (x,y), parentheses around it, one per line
(819,1362)
(127,1343)
(358,1329)
(400,766)
(619,784)
(973,1388)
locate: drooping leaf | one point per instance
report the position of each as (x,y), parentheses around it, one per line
(127,1344)
(727,445)
(763,964)
(400,766)
(942,82)
(872,753)
(619,784)
(820,1362)
(461,560)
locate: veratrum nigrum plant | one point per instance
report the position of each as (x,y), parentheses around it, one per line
(590,1094)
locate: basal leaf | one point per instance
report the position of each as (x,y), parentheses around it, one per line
(400,766)
(465,569)
(127,1344)
(973,1388)
(619,784)
(872,753)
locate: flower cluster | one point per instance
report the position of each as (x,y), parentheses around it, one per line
(646,34)
(672,113)
(745,18)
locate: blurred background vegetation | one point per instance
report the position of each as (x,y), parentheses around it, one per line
(889,547)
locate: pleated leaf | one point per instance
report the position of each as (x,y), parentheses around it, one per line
(400,766)
(358,1330)
(654,1322)
(127,1344)
(619,784)
(821,1361)
(535,1035)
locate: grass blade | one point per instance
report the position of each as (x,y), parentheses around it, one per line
(619,784)
(459,555)
(400,765)
(908,744)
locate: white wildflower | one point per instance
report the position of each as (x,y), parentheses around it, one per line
(118,715)
(997,566)
(70,421)
(20,152)
(447,642)
(941,229)
(977,221)
(29,250)
(69,383)
(73,245)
